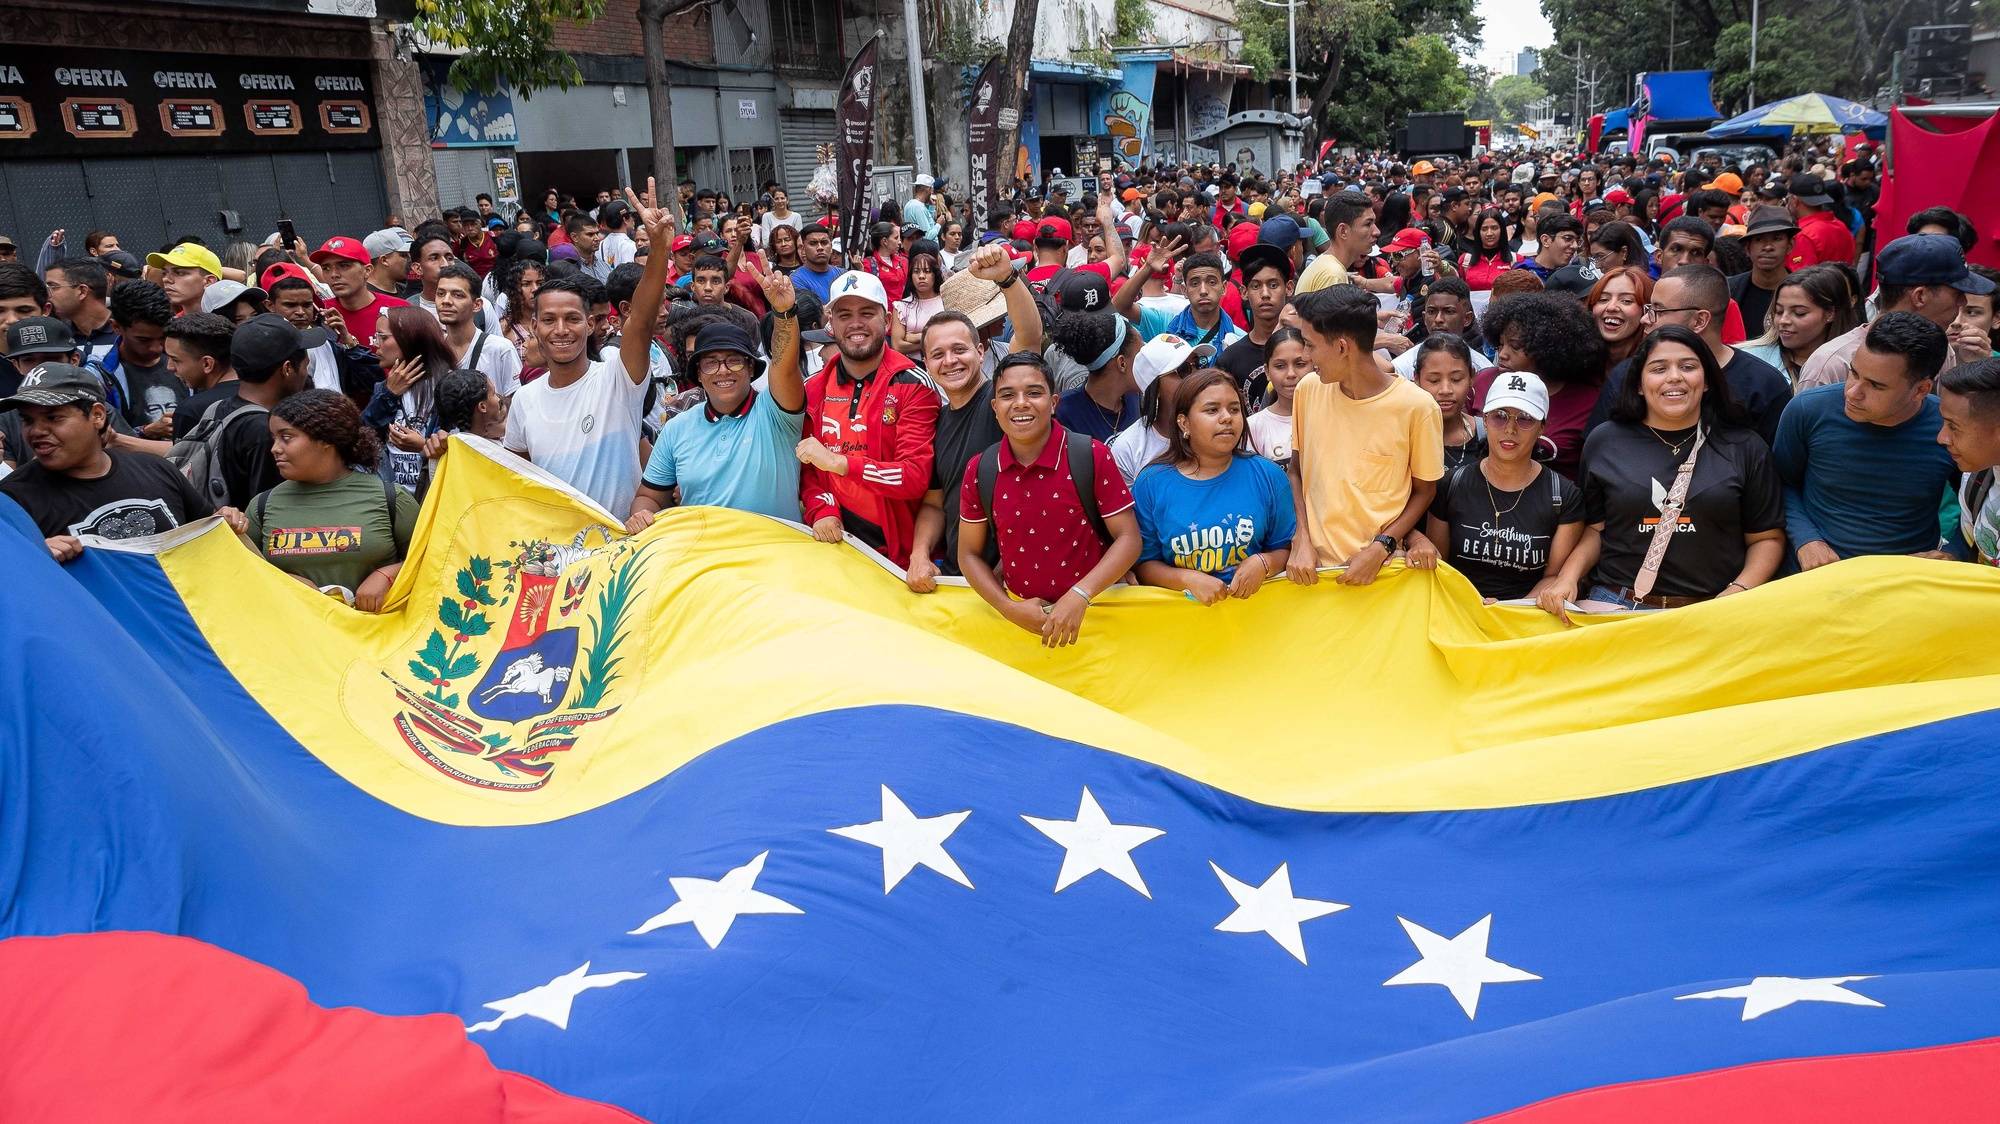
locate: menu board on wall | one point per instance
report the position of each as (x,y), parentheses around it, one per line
(62,101)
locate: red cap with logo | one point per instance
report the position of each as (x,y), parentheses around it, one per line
(1050,229)
(1408,238)
(341,246)
(1617,195)
(681,242)
(281,271)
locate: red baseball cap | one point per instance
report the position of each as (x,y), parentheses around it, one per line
(681,242)
(1617,195)
(281,271)
(1408,238)
(1242,236)
(1049,229)
(1024,231)
(341,246)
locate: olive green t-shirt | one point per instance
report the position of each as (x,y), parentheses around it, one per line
(331,534)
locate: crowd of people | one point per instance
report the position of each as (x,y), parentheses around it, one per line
(1596,381)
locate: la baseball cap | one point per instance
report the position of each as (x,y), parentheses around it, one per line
(222,294)
(1929,259)
(1163,353)
(54,384)
(1519,390)
(39,335)
(389,240)
(859,286)
(188,255)
(266,340)
(342,247)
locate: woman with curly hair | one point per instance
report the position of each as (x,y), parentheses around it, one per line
(524,276)
(331,524)
(1551,335)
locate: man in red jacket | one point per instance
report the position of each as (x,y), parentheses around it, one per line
(870,420)
(1822,237)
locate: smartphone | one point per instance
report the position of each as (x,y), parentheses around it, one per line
(287,235)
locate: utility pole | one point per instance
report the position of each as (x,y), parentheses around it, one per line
(1750,89)
(919,112)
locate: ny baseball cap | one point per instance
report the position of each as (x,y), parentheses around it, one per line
(390,240)
(55,384)
(1929,259)
(222,294)
(342,247)
(1165,353)
(1518,390)
(266,340)
(188,255)
(859,286)
(1083,290)
(39,335)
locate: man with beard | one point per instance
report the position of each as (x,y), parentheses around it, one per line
(738,449)
(955,359)
(870,418)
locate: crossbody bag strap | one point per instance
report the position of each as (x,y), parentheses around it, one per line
(1670,518)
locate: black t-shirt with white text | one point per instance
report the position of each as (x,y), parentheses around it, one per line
(1628,471)
(1755,385)
(141,495)
(1500,540)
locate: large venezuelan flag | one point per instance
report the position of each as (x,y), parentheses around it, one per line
(718,822)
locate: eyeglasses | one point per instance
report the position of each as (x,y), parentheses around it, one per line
(1654,311)
(1510,419)
(716,364)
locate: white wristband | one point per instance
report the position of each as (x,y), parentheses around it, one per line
(1081,592)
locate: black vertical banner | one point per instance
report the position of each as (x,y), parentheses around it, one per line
(855,121)
(982,140)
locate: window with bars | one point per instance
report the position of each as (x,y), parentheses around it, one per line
(805,37)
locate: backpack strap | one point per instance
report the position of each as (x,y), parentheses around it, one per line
(986,475)
(389,502)
(263,504)
(1082,470)
(478,349)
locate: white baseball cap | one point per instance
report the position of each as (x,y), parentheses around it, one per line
(1165,353)
(860,285)
(391,240)
(925,181)
(222,294)
(1522,390)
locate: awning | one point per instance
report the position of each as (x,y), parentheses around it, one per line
(1187,60)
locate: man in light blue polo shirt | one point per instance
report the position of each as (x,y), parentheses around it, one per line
(736,451)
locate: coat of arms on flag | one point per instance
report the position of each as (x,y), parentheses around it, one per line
(496,716)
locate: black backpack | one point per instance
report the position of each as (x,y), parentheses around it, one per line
(1077,452)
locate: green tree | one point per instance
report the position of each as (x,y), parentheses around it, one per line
(1367,62)
(1791,60)
(506,42)
(1514,94)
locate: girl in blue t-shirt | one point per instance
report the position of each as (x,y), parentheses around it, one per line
(1215,519)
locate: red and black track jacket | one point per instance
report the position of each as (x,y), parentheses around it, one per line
(884,425)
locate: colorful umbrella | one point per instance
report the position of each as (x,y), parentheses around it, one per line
(1806,113)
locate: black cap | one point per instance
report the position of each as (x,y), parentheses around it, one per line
(122,264)
(55,384)
(1928,259)
(1810,190)
(706,243)
(262,342)
(725,337)
(1084,290)
(39,335)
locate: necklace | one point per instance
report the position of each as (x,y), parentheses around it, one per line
(1673,446)
(1495,500)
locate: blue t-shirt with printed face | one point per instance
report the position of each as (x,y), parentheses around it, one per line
(1212,525)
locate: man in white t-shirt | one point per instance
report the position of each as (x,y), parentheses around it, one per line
(618,247)
(580,422)
(458,311)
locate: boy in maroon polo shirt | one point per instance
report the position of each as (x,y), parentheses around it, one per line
(1054,558)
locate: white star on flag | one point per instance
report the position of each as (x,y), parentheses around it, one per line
(712,906)
(909,841)
(1091,842)
(1271,909)
(1766,994)
(551,1001)
(1458,964)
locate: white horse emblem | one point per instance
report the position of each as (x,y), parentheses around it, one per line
(527,676)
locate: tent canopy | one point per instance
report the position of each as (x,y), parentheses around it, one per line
(1806,113)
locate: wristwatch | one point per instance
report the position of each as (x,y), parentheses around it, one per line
(1390,544)
(791,313)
